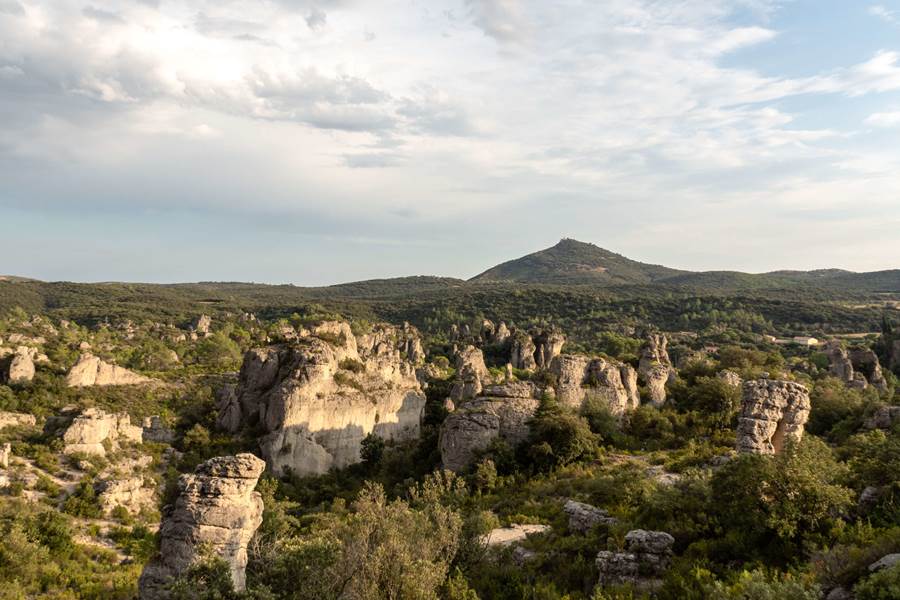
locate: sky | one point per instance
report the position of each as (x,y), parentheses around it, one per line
(323,141)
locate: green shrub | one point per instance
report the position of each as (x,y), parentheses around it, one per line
(883,585)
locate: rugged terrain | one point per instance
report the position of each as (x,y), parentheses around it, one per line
(572,424)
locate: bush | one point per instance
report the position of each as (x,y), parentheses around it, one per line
(883,585)
(756,585)
(557,438)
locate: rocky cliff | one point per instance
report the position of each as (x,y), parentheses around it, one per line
(579,377)
(216,511)
(90,370)
(772,412)
(655,367)
(319,396)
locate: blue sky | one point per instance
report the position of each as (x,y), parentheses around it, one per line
(321,141)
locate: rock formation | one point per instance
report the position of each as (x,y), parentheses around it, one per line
(865,361)
(772,412)
(471,374)
(19,366)
(129,493)
(89,430)
(202,325)
(11,419)
(471,428)
(730,377)
(646,557)
(318,397)
(548,345)
(5,453)
(839,364)
(584,517)
(216,510)
(90,370)
(655,367)
(522,351)
(155,430)
(884,418)
(579,377)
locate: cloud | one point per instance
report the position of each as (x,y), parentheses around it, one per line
(316,18)
(503,20)
(884,119)
(884,13)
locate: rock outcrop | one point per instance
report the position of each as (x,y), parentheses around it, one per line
(156,430)
(471,428)
(839,364)
(90,370)
(128,493)
(11,419)
(584,517)
(579,378)
(318,397)
(18,367)
(514,534)
(89,430)
(655,367)
(5,454)
(646,557)
(522,351)
(548,345)
(884,418)
(216,510)
(471,374)
(730,377)
(772,412)
(202,324)
(865,361)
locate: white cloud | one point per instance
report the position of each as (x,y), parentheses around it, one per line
(886,14)
(884,119)
(469,107)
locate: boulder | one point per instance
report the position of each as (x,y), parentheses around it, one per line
(655,367)
(502,334)
(580,378)
(646,557)
(471,373)
(89,430)
(772,412)
(317,398)
(11,419)
(471,428)
(19,366)
(128,493)
(90,370)
(584,517)
(885,562)
(216,511)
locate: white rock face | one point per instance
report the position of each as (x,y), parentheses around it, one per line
(19,366)
(655,367)
(128,493)
(11,419)
(216,509)
(90,370)
(580,377)
(5,453)
(772,413)
(472,427)
(514,534)
(647,556)
(320,396)
(92,427)
(471,374)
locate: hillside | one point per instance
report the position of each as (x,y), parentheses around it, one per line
(574,262)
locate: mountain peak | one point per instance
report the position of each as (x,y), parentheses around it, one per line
(572,261)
